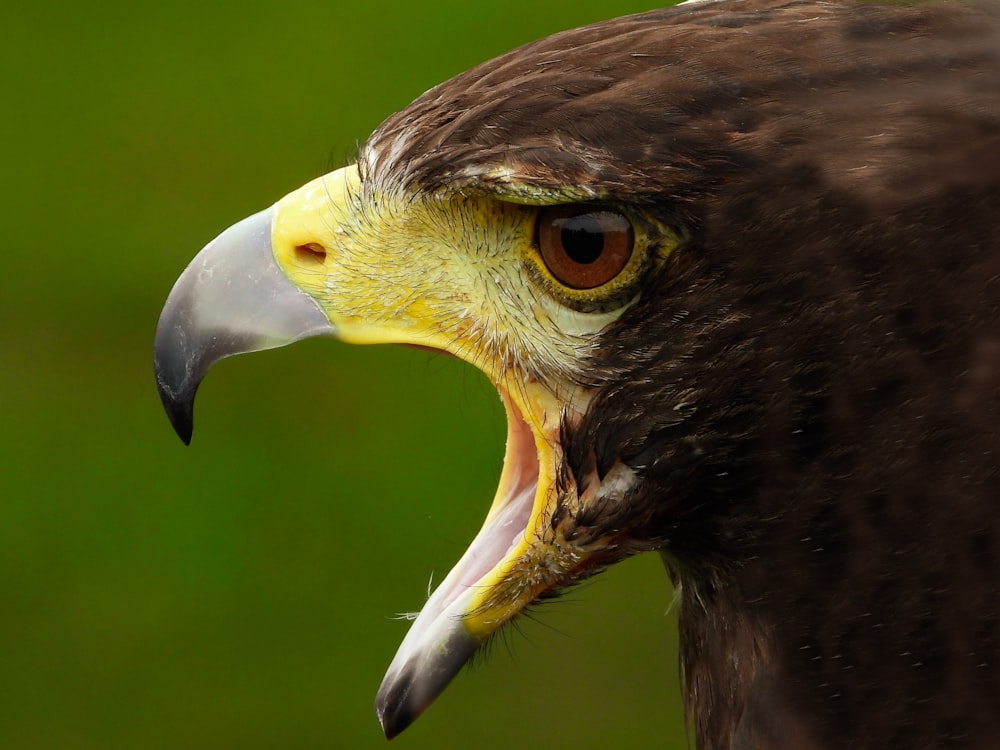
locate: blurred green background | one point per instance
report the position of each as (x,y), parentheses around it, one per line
(240,593)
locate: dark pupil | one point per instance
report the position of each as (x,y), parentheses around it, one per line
(582,239)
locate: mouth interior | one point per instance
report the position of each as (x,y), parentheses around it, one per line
(508,519)
(442,638)
(506,523)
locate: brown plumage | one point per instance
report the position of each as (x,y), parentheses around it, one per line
(798,403)
(810,391)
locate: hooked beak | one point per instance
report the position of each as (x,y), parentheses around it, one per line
(232,298)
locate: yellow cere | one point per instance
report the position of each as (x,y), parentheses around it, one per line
(442,270)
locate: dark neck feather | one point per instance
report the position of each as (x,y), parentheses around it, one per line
(829,488)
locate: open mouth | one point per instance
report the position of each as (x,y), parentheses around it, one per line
(416,676)
(506,524)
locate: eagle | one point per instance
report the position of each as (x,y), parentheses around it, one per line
(734,270)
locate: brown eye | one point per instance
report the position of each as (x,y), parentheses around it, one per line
(582,246)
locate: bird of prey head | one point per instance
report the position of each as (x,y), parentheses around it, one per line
(734,269)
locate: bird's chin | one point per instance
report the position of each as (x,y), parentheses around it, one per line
(473,601)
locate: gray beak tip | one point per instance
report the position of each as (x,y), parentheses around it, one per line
(232,298)
(416,678)
(180,411)
(395,713)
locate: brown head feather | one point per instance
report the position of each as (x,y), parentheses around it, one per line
(809,391)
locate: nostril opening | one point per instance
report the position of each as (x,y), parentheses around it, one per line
(311,254)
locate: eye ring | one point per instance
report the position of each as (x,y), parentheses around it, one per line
(584,247)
